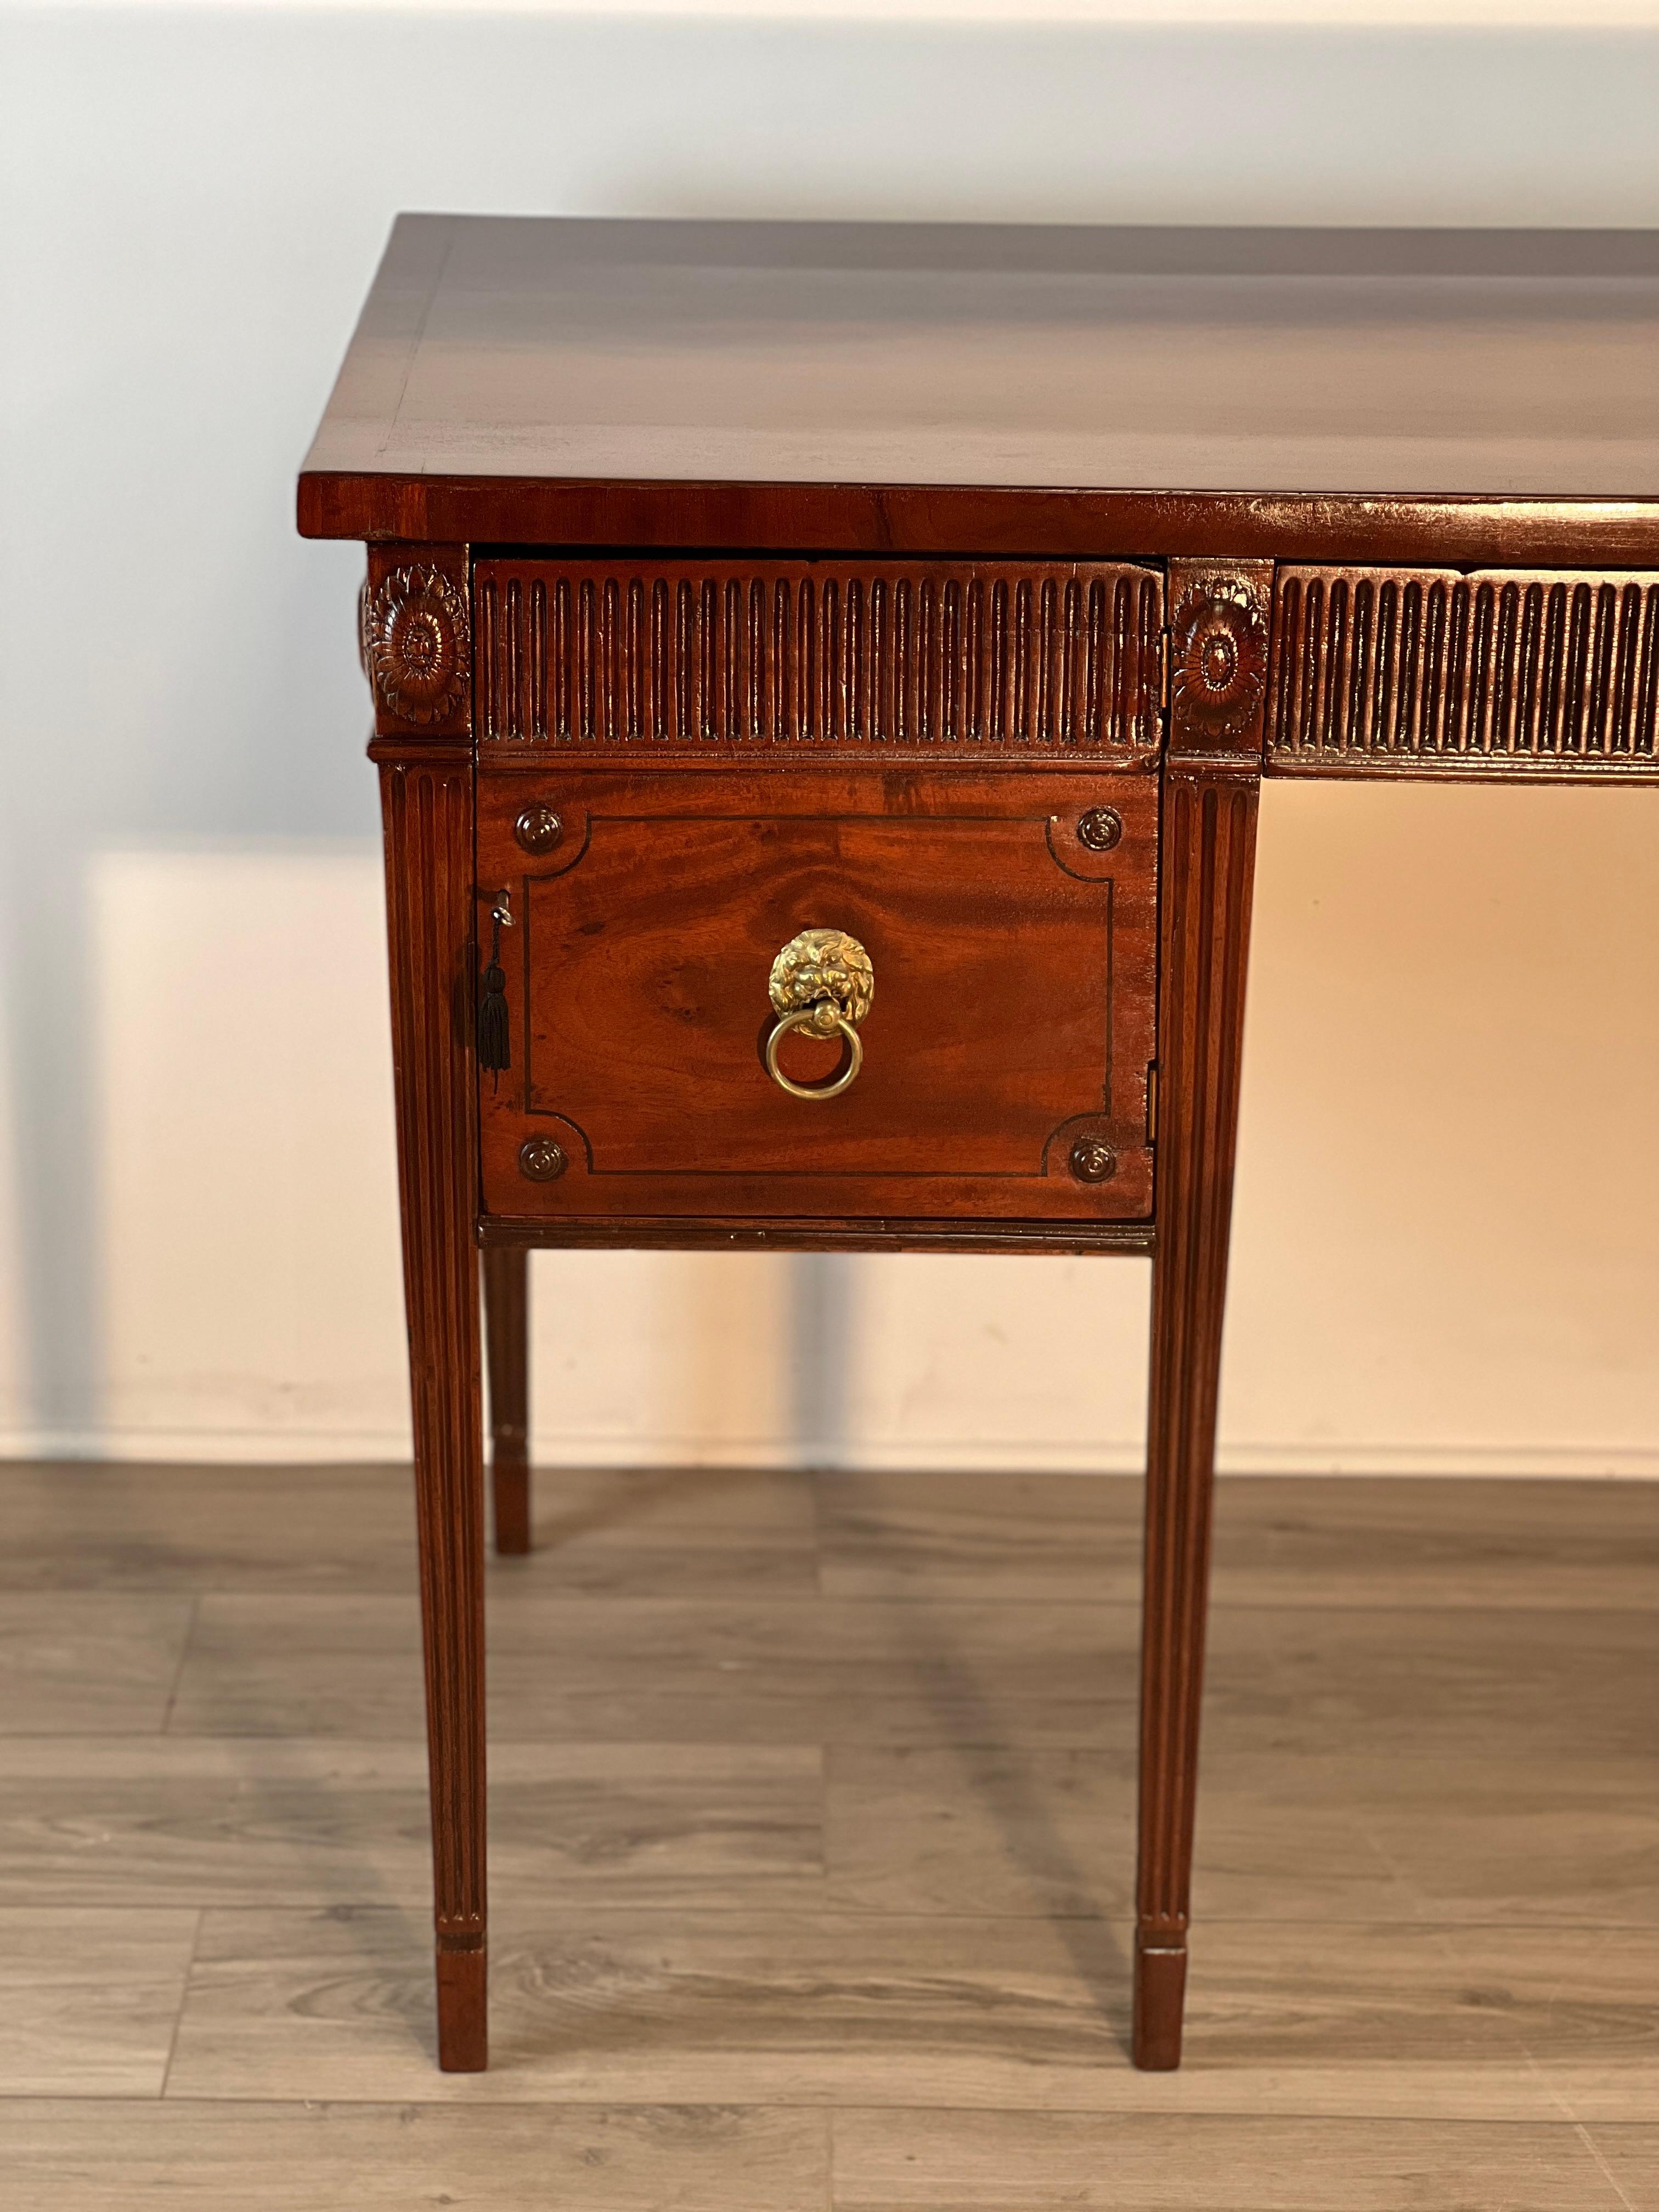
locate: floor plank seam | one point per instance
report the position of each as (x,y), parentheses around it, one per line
(184,1999)
(1610,2177)
(178,1671)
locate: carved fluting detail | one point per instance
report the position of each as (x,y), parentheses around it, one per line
(417,644)
(1209,840)
(1218,645)
(1514,671)
(1022,656)
(427,809)
(1211,783)
(1208,852)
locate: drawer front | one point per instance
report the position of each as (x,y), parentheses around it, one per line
(1010,922)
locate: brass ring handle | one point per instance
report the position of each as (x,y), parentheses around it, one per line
(809,1018)
(825,981)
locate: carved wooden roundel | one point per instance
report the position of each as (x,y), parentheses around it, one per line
(1220,655)
(415,645)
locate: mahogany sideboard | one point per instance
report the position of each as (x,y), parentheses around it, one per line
(823,677)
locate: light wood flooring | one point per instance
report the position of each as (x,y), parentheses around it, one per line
(813,1846)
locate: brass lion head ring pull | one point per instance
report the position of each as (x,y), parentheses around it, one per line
(823,983)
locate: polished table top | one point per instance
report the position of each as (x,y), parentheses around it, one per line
(1479,363)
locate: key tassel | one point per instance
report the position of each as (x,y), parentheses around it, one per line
(495,1042)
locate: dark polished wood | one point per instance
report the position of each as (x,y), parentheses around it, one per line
(893,660)
(415,637)
(1012,1018)
(1506,673)
(1219,649)
(507,1337)
(786,1233)
(426,800)
(817,355)
(1477,396)
(953,586)
(1002,522)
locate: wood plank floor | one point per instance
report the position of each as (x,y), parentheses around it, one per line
(812,1843)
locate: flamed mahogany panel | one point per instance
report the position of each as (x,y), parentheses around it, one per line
(1013,1008)
(1497,673)
(820,655)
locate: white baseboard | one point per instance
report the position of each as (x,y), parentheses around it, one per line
(1602,1462)
(210,1446)
(268,1448)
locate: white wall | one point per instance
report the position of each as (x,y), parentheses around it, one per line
(1448,1233)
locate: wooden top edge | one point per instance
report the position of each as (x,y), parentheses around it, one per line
(823,363)
(420,237)
(1031,521)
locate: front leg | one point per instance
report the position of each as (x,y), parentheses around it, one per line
(415,635)
(1218,634)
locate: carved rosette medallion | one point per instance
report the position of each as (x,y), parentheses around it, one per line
(415,645)
(1220,640)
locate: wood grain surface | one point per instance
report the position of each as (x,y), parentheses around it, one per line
(924,2162)
(75,1664)
(845,1917)
(837,354)
(890,660)
(89,1998)
(1510,674)
(602,1669)
(1012,1015)
(427,817)
(275,2157)
(1298,2016)
(1278,1541)
(1219,628)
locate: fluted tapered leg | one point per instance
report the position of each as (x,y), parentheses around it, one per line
(427,810)
(506,1332)
(1208,833)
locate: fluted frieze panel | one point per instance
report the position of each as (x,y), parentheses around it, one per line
(1502,672)
(824,655)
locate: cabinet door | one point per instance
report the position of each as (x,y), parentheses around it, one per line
(1008,920)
